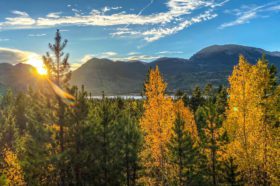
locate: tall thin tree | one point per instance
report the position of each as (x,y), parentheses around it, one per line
(59,72)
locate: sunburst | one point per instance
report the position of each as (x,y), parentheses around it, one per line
(36,62)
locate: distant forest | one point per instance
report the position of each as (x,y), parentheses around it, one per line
(58,135)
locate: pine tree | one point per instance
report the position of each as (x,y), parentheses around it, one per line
(212,138)
(78,115)
(59,72)
(156,124)
(131,139)
(8,128)
(184,149)
(230,173)
(35,146)
(20,106)
(196,99)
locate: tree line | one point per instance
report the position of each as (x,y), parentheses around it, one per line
(58,135)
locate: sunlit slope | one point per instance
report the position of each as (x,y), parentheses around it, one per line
(210,65)
(18,77)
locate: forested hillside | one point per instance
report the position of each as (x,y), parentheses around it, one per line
(59,135)
(210,65)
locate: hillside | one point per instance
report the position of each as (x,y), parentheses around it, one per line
(209,65)
(18,77)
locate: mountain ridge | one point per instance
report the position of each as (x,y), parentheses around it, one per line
(212,64)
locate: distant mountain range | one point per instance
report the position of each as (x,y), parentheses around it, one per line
(210,65)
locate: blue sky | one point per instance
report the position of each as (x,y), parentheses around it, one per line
(136,29)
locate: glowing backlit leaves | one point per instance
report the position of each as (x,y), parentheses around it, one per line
(188,117)
(250,132)
(156,124)
(12,170)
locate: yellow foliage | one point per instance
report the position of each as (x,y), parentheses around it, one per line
(156,124)
(251,136)
(12,169)
(185,113)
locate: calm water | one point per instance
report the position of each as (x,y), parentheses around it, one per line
(125,97)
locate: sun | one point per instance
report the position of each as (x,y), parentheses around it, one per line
(37,62)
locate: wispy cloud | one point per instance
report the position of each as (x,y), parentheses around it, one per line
(131,56)
(110,54)
(20,13)
(54,15)
(170,52)
(155,34)
(36,35)
(180,14)
(247,13)
(4,39)
(14,56)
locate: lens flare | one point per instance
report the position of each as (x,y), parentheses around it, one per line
(37,62)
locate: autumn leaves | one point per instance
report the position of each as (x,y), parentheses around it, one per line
(252,113)
(157,125)
(248,124)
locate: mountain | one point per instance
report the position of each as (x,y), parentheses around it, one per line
(210,65)
(17,77)
(112,77)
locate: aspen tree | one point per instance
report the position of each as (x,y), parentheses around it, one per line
(156,124)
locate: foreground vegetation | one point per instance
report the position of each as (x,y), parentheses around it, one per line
(215,137)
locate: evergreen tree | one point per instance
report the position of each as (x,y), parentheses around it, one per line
(184,149)
(230,173)
(59,72)
(131,139)
(196,99)
(77,116)
(9,131)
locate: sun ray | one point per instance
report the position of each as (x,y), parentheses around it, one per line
(37,62)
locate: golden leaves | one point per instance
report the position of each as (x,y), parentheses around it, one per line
(247,117)
(157,123)
(12,169)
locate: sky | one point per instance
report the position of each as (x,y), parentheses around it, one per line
(134,29)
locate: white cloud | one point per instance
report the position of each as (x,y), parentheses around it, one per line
(109,54)
(14,56)
(274,8)
(64,30)
(138,58)
(22,20)
(132,56)
(54,15)
(86,58)
(133,53)
(170,52)
(4,39)
(245,18)
(155,34)
(36,35)
(20,13)
(179,15)
(116,8)
(247,13)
